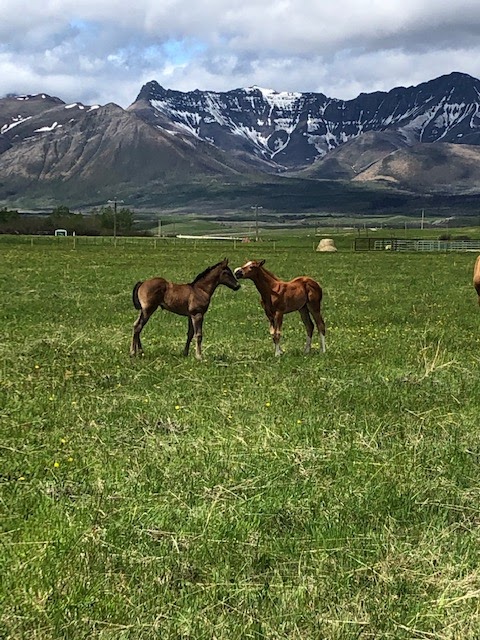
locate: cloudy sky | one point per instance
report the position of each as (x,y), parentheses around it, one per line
(99,51)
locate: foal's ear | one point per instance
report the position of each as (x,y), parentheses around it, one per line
(225,262)
(261,263)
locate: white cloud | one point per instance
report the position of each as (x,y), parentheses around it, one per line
(101,51)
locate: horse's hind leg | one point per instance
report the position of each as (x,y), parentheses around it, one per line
(137,328)
(319,321)
(307,321)
(139,324)
(189,337)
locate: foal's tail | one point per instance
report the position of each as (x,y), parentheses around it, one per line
(136,301)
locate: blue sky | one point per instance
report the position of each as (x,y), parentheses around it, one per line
(99,51)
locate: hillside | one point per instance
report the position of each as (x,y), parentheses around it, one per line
(234,149)
(104,151)
(428,168)
(292,130)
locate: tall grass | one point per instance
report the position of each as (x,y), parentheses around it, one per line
(323,496)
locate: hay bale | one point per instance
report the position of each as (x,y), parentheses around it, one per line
(326,244)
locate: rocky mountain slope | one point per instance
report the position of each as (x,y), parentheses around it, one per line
(292,130)
(426,168)
(91,152)
(421,139)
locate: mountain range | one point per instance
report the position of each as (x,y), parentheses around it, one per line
(419,140)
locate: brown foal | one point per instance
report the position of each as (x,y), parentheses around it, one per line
(302,294)
(191,300)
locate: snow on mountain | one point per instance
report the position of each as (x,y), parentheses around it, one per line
(171,135)
(293,129)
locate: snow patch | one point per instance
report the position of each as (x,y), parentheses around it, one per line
(50,128)
(16,121)
(280,100)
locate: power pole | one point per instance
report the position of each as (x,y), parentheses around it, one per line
(114,202)
(256,207)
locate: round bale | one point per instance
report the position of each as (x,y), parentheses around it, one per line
(326,244)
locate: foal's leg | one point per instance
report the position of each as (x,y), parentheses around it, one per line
(307,321)
(141,321)
(271,325)
(197,321)
(189,336)
(317,316)
(137,327)
(277,332)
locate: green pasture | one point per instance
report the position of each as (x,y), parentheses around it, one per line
(331,496)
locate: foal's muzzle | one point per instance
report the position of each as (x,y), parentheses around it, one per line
(238,273)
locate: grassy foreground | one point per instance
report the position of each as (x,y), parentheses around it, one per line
(245,496)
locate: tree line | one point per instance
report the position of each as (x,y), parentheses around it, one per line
(98,221)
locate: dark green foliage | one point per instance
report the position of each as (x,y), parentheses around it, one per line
(8,215)
(124,219)
(96,222)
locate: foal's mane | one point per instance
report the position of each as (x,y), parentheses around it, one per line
(204,273)
(269,273)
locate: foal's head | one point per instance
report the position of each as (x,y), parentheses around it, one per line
(249,269)
(226,276)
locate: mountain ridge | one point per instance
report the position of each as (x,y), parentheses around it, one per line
(254,136)
(292,130)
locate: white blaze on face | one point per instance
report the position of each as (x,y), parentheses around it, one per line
(245,266)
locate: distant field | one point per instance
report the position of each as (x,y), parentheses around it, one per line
(325,496)
(273,224)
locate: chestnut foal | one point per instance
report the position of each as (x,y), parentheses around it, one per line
(302,294)
(191,300)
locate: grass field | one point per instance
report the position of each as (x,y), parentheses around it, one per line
(326,496)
